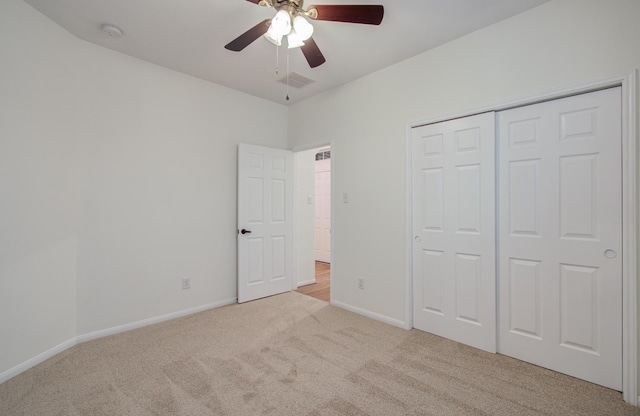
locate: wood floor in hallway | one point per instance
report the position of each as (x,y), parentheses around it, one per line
(321,288)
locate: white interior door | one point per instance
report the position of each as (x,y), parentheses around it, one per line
(323,210)
(453,179)
(265,224)
(560,236)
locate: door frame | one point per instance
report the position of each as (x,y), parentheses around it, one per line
(628,82)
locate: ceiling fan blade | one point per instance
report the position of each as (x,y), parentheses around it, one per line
(248,37)
(368,14)
(312,53)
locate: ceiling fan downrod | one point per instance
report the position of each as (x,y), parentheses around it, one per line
(293,7)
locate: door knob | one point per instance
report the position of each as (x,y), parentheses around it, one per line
(610,254)
(245,231)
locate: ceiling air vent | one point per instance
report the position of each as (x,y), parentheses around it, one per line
(296,80)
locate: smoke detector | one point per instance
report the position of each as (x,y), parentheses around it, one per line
(112,30)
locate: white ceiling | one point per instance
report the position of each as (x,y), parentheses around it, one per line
(189,36)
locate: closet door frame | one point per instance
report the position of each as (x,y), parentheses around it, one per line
(628,82)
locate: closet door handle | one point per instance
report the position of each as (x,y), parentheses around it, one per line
(245,231)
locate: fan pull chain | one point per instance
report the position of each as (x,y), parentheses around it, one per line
(277,59)
(287,74)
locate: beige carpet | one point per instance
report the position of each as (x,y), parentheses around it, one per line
(292,355)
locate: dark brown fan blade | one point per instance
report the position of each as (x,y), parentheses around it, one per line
(248,37)
(312,53)
(368,14)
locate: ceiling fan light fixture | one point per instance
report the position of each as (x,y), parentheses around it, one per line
(294,40)
(290,14)
(282,22)
(273,36)
(280,26)
(303,28)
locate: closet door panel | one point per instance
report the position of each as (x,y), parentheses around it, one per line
(561,234)
(453,179)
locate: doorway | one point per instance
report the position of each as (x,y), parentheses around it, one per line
(322,206)
(321,289)
(313,213)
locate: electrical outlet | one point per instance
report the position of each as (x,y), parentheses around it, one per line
(186,283)
(360,283)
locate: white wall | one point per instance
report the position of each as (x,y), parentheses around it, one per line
(39,182)
(159,187)
(559,44)
(117,177)
(304,177)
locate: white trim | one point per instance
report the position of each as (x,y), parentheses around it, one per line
(629,240)
(323,149)
(294,216)
(408,290)
(628,82)
(612,81)
(375,316)
(150,321)
(22,367)
(333,216)
(40,358)
(308,146)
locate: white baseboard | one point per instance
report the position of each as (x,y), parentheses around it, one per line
(150,321)
(372,315)
(306,282)
(32,362)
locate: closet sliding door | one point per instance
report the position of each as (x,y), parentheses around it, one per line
(558,230)
(453,179)
(560,220)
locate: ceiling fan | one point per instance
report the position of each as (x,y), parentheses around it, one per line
(291,21)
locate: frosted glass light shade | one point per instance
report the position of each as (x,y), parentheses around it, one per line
(282,22)
(294,40)
(303,28)
(280,26)
(273,36)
